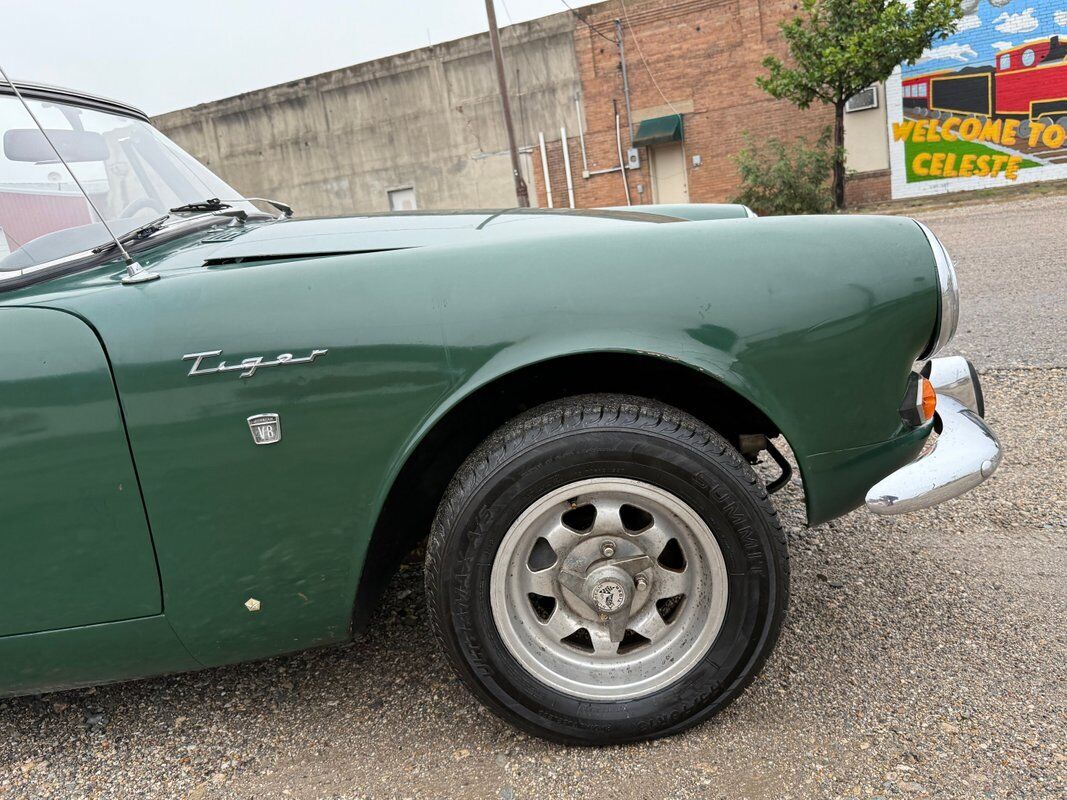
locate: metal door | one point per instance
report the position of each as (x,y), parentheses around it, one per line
(669,181)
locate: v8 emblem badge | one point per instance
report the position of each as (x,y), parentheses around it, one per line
(266,428)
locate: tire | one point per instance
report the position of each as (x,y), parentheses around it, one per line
(703,622)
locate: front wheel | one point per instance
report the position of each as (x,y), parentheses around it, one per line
(606,569)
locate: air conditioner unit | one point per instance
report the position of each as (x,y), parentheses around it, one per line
(866,99)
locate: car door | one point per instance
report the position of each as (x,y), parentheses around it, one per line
(75,547)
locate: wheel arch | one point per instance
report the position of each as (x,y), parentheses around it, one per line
(469,417)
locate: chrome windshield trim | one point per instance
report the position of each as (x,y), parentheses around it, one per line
(9,275)
(948,315)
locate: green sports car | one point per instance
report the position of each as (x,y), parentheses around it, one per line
(221,428)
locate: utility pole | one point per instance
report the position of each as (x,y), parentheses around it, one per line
(521,193)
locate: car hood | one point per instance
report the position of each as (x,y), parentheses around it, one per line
(369,233)
(377,232)
(272,240)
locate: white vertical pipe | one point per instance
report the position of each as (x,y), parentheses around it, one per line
(581,136)
(544,169)
(567,165)
(622,164)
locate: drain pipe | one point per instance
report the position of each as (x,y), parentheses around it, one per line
(625,81)
(622,164)
(581,136)
(567,165)
(544,169)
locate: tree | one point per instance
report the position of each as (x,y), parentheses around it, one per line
(840,47)
(777,178)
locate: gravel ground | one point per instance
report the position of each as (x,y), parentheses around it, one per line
(1012,262)
(923,656)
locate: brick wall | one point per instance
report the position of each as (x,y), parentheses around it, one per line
(703,57)
(868,187)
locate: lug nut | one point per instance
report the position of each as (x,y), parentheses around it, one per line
(641,582)
(608,549)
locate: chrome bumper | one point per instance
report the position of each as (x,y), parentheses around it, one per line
(965,454)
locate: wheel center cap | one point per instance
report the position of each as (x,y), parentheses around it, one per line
(609,595)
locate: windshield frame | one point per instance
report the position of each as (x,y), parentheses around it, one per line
(104,251)
(41,91)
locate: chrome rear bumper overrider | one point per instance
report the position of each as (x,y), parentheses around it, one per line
(965,454)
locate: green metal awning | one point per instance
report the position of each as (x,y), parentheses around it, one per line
(659,130)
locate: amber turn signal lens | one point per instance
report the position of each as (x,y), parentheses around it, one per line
(929,400)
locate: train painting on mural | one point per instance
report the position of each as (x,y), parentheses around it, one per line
(989,103)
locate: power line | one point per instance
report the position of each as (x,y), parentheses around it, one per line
(508,12)
(585,22)
(641,53)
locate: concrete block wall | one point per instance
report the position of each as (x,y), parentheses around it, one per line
(429,119)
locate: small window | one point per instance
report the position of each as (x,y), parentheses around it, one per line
(907,90)
(922,90)
(1029,57)
(402,199)
(1005,61)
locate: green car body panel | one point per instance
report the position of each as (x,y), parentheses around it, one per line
(814,321)
(76,545)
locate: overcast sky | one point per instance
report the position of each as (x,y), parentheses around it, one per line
(163,56)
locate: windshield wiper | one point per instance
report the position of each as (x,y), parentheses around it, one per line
(140,232)
(211,204)
(235,215)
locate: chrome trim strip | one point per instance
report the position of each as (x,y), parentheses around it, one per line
(285,210)
(14,274)
(949,293)
(965,454)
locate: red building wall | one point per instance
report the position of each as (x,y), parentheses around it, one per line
(704,56)
(26,215)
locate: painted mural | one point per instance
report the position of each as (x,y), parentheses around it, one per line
(985,107)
